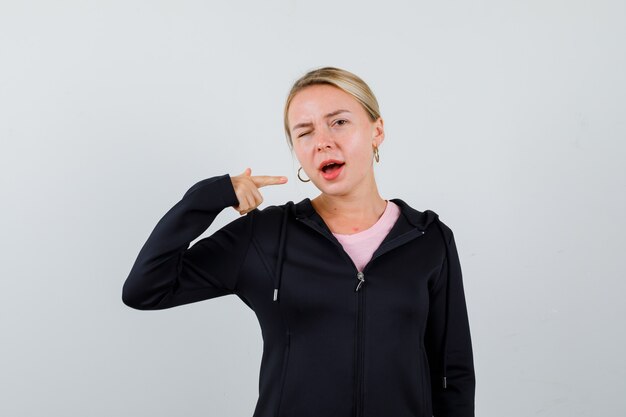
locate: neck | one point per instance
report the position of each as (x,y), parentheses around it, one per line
(358,205)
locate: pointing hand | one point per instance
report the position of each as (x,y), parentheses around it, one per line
(247,189)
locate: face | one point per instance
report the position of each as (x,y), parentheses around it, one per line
(328,124)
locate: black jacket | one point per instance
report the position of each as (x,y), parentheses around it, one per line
(392,340)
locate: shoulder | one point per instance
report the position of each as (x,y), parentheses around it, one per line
(446,230)
(269,220)
(272,211)
(427,220)
(423,219)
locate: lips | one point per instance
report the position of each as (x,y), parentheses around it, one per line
(331,169)
(329,163)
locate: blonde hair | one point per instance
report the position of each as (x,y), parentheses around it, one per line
(342,79)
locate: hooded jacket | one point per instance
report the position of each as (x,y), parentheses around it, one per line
(391,340)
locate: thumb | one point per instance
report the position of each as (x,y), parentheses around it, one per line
(247,172)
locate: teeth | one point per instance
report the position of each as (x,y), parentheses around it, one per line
(332,164)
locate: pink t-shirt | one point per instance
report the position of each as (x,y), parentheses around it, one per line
(362,245)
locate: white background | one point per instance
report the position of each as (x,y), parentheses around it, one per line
(505,117)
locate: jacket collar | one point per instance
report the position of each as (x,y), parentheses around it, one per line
(412,218)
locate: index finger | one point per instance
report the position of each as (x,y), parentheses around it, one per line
(263,180)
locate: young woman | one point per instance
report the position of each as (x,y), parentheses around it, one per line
(360,299)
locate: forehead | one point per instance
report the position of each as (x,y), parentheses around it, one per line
(318,100)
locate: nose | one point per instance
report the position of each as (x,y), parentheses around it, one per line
(324,142)
(321,146)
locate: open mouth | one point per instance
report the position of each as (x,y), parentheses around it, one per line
(333,166)
(332,170)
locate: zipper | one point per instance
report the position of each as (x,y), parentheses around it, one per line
(359,290)
(361,277)
(358,405)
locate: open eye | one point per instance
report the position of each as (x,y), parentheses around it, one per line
(341,122)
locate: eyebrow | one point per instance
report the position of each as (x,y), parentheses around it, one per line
(331,114)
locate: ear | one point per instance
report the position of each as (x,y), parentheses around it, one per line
(378,132)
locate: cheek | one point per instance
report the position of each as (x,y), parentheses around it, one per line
(303,148)
(302,154)
(361,149)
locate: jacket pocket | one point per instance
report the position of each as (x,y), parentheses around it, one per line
(283,374)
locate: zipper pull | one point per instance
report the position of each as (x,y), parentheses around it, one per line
(361,278)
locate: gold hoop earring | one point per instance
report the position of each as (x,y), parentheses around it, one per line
(301,178)
(376,155)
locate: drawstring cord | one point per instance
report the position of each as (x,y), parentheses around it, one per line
(281,250)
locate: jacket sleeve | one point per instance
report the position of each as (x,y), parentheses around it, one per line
(447,340)
(167,273)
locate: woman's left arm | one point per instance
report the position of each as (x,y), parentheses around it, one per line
(448,342)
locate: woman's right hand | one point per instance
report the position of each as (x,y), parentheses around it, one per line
(247,189)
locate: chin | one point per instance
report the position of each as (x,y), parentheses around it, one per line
(334,189)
